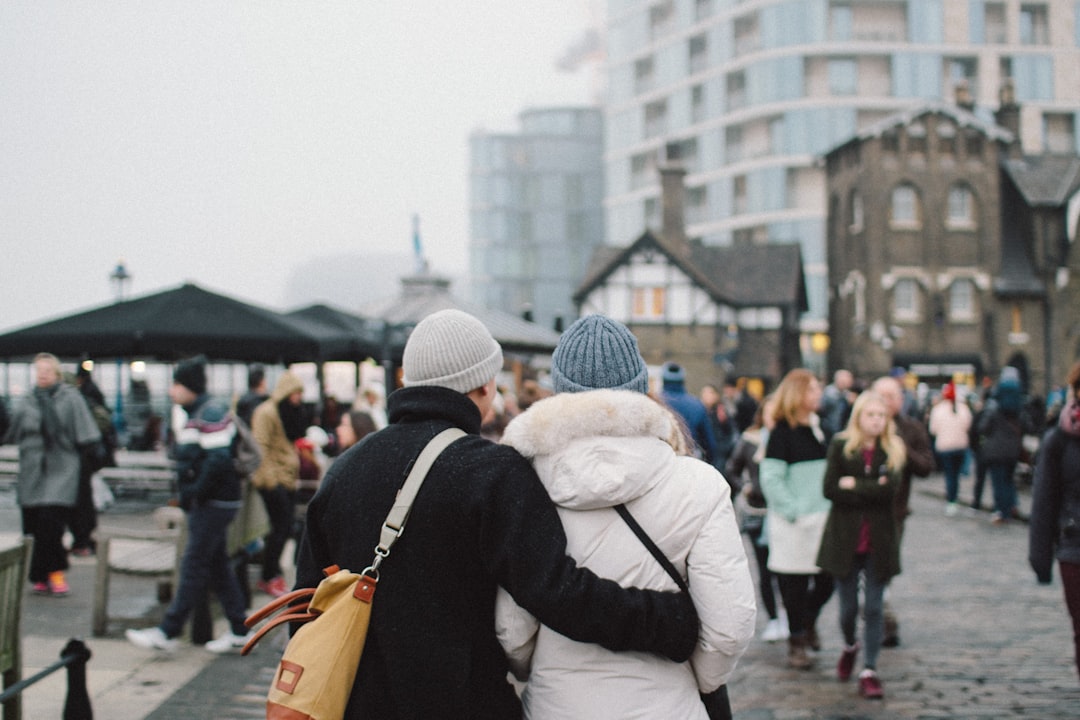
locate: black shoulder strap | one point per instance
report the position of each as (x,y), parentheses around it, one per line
(648,543)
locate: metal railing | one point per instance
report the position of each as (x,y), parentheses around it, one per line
(74,657)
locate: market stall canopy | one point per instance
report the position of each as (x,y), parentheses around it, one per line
(178,323)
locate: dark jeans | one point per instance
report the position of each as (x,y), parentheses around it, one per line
(46,524)
(804,596)
(847,589)
(281,509)
(84,514)
(1001,479)
(980,483)
(1070,579)
(951,462)
(206,566)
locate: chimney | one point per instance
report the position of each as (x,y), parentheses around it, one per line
(963,97)
(673,202)
(1008,114)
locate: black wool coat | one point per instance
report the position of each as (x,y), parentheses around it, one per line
(481,519)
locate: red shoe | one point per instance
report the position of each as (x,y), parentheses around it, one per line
(41,588)
(847,662)
(870,686)
(274,587)
(58,584)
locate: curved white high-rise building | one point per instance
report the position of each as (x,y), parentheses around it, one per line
(749,95)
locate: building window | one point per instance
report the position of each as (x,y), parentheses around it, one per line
(738,194)
(962,301)
(661,17)
(698,54)
(961,208)
(685,151)
(652,212)
(746,34)
(643,74)
(642,169)
(1059,133)
(733,143)
(994,23)
(906,300)
(973,145)
(655,118)
(856,219)
(946,139)
(843,76)
(890,141)
(697,103)
(1034,29)
(703,9)
(648,303)
(917,138)
(904,209)
(962,71)
(697,204)
(736,90)
(839,22)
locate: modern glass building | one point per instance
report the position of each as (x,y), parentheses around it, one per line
(749,94)
(536,211)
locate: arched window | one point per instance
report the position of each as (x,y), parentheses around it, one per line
(904,210)
(961,208)
(906,300)
(962,301)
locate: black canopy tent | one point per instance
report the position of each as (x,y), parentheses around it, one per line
(185,321)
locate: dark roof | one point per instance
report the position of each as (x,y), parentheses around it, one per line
(769,275)
(1045,180)
(957,114)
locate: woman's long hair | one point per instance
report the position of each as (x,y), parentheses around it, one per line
(891,443)
(789,396)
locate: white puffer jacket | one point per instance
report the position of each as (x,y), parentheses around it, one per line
(594,450)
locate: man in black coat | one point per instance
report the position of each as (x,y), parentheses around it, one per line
(481,519)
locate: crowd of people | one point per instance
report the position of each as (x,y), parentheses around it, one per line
(521,556)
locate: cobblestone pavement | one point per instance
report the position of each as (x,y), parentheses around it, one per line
(979,637)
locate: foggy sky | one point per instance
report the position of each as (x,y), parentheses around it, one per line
(224,143)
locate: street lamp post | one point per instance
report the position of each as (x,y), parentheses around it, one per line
(119,276)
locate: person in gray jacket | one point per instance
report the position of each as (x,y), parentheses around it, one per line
(55,433)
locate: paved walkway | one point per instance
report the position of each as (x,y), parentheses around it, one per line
(980,639)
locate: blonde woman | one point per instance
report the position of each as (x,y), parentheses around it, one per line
(791,475)
(864,467)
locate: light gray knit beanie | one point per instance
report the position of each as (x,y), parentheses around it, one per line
(451,349)
(598,352)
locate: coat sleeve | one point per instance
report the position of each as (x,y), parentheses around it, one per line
(723,592)
(920,456)
(773,477)
(1046,498)
(516,629)
(523,541)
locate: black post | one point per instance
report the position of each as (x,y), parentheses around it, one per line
(77,705)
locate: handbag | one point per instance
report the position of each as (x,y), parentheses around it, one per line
(717,703)
(315,676)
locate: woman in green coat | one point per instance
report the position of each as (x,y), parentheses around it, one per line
(863,469)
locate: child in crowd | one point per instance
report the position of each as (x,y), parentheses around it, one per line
(863,469)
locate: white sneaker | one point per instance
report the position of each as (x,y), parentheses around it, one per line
(227,643)
(951,509)
(774,631)
(151,639)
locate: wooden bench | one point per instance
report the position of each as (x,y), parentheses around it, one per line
(152,554)
(13,566)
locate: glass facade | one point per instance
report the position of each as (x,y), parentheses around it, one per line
(760,89)
(535,211)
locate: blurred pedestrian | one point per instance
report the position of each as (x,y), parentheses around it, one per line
(791,479)
(278,474)
(722,417)
(863,470)
(83,520)
(256,393)
(355,425)
(690,409)
(372,400)
(836,400)
(1001,437)
(743,469)
(601,444)
(950,426)
(56,435)
(210,495)
(1055,506)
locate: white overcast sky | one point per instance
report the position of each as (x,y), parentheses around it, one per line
(223,142)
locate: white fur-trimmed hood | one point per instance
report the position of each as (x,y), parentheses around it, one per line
(597,448)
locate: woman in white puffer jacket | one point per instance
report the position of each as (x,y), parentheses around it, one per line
(594,449)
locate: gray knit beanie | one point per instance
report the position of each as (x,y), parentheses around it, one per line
(598,352)
(451,349)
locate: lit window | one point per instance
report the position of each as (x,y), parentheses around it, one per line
(961,207)
(856,212)
(648,303)
(962,301)
(906,299)
(904,210)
